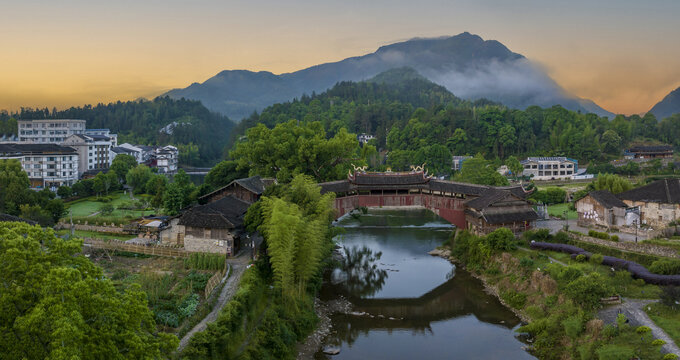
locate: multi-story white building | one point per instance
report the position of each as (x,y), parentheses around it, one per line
(103,132)
(365,138)
(549,168)
(94,150)
(48,131)
(47,165)
(166,159)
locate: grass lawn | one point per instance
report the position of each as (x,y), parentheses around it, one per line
(558,210)
(87,206)
(666,318)
(96,235)
(673,244)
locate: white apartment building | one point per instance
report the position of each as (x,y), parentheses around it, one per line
(94,150)
(48,131)
(549,168)
(166,159)
(47,165)
(103,132)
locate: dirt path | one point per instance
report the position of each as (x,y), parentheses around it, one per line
(633,309)
(236,269)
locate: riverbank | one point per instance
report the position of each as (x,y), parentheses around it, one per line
(488,287)
(558,297)
(323,310)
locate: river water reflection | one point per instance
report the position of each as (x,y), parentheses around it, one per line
(408,304)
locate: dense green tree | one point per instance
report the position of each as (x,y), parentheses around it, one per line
(122,164)
(64,191)
(137,177)
(611,142)
(514,165)
(477,170)
(224,173)
(14,186)
(103,182)
(58,305)
(291,148)
(296,231)
(613,183)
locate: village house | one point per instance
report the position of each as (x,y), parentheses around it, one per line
(649,152)
(213,228)
(601,208)
(457,162)
(658,202)
(47,165)
(247,189)
(498,208)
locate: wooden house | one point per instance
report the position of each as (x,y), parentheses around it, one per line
(498,208)
(214,227)
(601,208)
(247,189)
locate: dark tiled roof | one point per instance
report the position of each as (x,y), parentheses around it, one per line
(607,199)
(510,217)
(389,178)
(253,184)
(457,187)
(336,186)
(35,148)
(225,213)
(8,217)
(651,148)
(489,197)
(665,191)
(122,150)
(94,172)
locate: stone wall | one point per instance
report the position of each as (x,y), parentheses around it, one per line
(196,244)
(656,215)
(648,249)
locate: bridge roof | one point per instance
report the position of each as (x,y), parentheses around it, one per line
(388,178)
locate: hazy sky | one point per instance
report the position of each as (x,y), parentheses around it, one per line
(623,54)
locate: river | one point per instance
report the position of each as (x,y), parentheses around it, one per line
(408,304)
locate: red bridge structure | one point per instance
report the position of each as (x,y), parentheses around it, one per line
(479,208)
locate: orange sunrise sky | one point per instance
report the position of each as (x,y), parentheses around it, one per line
(624,55)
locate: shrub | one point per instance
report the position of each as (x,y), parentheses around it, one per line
(573,326)
(614,238)
(599,235)
(596,259)
(542,235)
(658,342)
(106,209)
(588,290)
(670,357)
(526,262)
(514,298)
(665,267)
(581,258)
(501,239)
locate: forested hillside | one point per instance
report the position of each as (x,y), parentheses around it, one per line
(417,120)
(200,134)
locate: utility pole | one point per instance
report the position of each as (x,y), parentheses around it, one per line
(636,230)
(566,221)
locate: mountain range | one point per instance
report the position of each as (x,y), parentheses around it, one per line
(467,65)
(668,106)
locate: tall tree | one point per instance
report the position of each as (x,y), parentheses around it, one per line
(122,164)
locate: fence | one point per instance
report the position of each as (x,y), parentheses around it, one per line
(136,248)
(215,280)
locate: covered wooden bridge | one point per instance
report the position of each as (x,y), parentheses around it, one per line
(496,206)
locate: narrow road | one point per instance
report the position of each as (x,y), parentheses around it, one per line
(236,269)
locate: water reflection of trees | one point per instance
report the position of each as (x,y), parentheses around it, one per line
(363,278)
